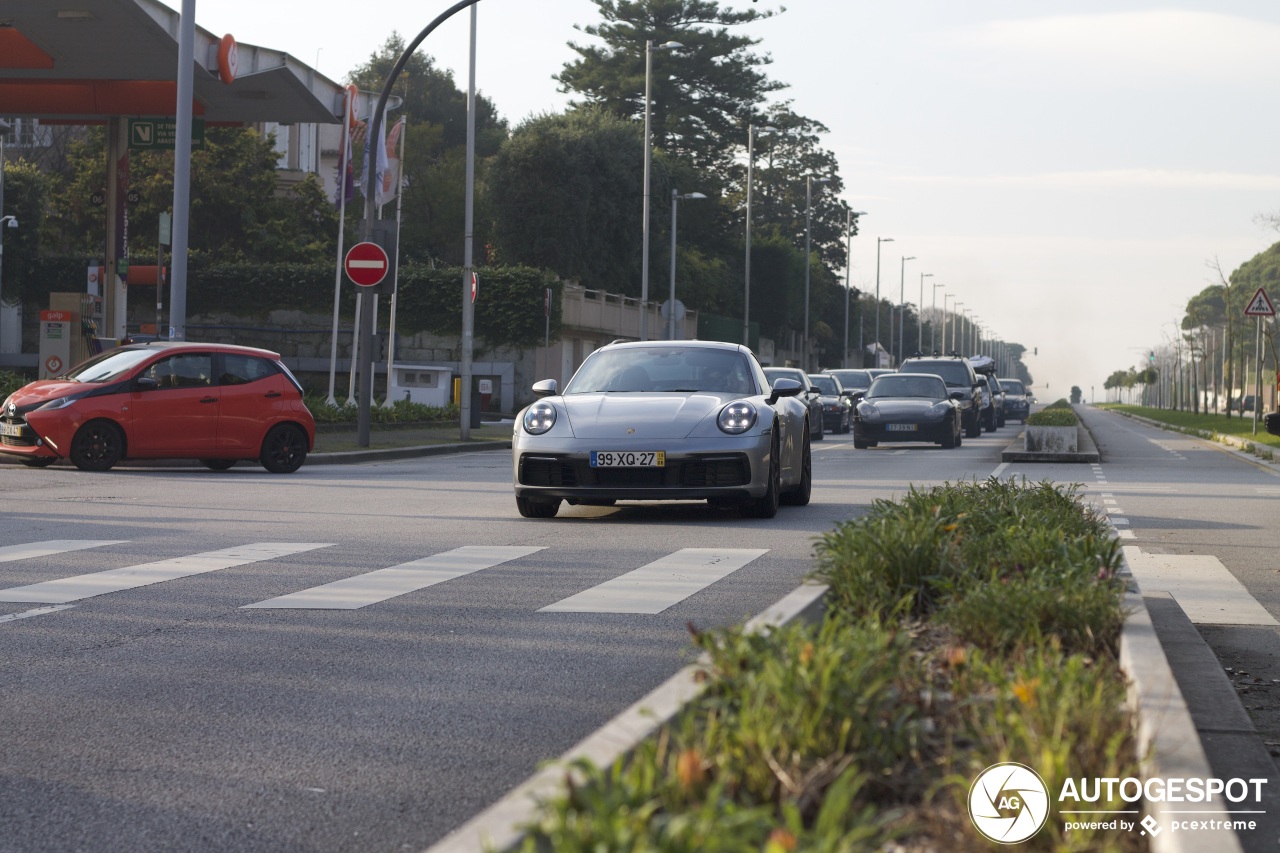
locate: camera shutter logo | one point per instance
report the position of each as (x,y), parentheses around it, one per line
(1008,802)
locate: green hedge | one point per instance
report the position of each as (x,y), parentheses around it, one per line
(1051,416)
(508,310)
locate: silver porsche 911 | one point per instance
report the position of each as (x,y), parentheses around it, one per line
(664,421)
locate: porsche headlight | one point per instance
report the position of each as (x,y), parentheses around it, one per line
(737,418)
(938,410)
(539,418)
(868,412)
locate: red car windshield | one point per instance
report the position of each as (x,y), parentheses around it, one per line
(109,366)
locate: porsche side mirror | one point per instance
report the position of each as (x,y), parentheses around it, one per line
(784,388)
(545,388)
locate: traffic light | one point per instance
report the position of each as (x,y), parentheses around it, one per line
(1151,358)
(1036,351)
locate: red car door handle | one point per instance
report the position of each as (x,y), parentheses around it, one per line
(208,399)
(272,394)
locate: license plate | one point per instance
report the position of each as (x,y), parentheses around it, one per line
(14,430)
(900,427)
(628,458)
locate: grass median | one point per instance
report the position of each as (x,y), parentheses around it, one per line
(1203,425)
(966,625)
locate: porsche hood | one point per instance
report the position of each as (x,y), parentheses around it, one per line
(640,415)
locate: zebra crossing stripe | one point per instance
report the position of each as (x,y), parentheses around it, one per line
(660,584)
(370,588)
(50,547)
(131,577)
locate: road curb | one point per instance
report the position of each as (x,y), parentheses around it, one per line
(1169,744)
(350,457)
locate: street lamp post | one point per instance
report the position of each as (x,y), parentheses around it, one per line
(809,181)
(957,315)
(902,305)
(671,305)
(920,314)
(649,47)
(851,228)
(746,293)
(933,327)
(879,240)
(945,318)
(5,222)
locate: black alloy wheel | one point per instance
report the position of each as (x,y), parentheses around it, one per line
(284,449)
(800,494)
(766,506)
(97,446)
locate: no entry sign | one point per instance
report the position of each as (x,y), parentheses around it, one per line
(366,264)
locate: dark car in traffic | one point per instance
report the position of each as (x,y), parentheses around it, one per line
(960,378)
(851,379)
(1017,400)
(837,408)
(810,396)
(908,407)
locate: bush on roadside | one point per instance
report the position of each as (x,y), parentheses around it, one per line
(10,382)
(401,412)
(966,625)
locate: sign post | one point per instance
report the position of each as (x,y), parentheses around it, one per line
(1259,306)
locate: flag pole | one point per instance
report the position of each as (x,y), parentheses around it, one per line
(395,281)
(342,220)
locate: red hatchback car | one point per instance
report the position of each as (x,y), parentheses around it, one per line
(214,402)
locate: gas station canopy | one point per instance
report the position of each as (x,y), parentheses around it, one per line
(87,61)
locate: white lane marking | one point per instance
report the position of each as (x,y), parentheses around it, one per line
(39,611)
(52,546)
(130,577)
(1119,520)
(1107,499)
(1114,509)
(659,585)
(1126,534)
(370,588)
(1203,587)
(1000,469)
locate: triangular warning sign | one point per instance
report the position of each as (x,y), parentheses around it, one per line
(1260,305)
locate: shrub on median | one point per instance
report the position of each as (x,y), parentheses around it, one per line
(967,625)
(1050,416)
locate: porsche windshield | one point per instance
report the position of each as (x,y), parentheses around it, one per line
(659,369)
(109,366)
(924,387)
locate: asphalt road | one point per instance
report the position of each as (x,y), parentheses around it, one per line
(199,692)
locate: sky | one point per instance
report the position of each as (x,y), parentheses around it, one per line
(1070,171)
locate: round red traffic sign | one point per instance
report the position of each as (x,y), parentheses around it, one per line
(366,264)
